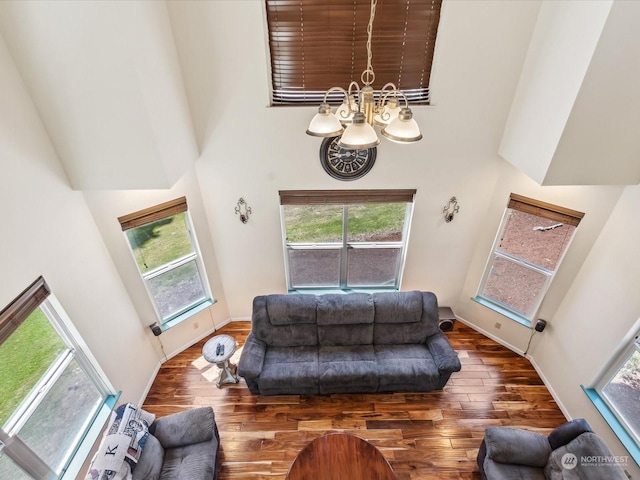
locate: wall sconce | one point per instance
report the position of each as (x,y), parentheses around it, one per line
(450,209)
(243,210)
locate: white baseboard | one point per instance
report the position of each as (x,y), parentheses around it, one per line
(491,336)
(150,383)
(191,343)
(563,409)
(177,351)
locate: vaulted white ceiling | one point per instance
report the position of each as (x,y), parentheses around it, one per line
(107,80)
(575,119)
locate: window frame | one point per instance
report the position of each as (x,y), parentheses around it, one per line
(344,198)
(599,399)
(154,214)
(39,296)
(618,361)
(541,209)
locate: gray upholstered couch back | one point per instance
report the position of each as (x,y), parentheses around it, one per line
(345,319)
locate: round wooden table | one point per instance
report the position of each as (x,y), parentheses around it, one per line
(340,456)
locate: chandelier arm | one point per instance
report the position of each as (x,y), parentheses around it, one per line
(382,101)
(395,92)
(404,96)
(336,89)
(390,85)
(352,85)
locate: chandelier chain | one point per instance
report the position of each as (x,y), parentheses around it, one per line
(370,76)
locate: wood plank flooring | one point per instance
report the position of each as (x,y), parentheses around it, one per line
(432,435)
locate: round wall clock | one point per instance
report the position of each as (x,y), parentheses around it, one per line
(344,163)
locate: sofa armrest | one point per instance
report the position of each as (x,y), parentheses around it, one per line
(185,428)
(443,354)
(517,446)
(252,357)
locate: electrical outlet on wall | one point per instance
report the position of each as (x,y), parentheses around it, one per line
(195,325)
(498,325)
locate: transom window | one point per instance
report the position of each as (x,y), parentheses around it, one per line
(531,242)
(345,239)
(315,45)
(50,391)
(166,252)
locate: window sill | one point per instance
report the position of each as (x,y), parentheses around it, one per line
(322,291)
(185,315)
(503,311)
(627,441)
(90,437)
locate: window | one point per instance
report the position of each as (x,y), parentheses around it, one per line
(316,45)
(620,388)
(166,252)
(616,395)
(530,245)
(50,392)
(345,239)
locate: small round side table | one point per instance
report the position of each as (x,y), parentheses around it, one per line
(212,354)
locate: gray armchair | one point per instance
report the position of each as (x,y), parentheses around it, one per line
(181,446)
(567,453)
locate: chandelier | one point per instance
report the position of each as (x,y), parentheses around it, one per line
(363,108)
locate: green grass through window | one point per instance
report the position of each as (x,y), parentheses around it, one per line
(323,223)
(161,242)
(24,358)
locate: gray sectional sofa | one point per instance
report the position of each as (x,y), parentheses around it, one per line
(346,343)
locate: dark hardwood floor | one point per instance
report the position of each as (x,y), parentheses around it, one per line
(432,435)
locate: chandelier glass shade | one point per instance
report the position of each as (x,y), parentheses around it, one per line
(363,108)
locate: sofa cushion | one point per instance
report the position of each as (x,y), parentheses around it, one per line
(516,446)
(347,369)
(150,462)
(390,329)
(287,366)
(393,308)
(342,309)
(293,326)
(185,428)
(587,446)
(505,471)
(405,367)
(291,309)
(193,462)
(345,319)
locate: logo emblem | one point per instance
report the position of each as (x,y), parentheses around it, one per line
(569,461)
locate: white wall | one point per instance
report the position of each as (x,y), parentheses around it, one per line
(106,81)
(47,229)
(597,202)
(562,45)
(598,311)
(250,150)
(107,206)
